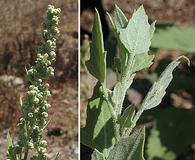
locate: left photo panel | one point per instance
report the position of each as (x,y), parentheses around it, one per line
(38,80)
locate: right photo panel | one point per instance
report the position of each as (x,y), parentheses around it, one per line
(137,80)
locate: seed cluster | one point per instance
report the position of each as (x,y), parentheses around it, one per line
(34,106)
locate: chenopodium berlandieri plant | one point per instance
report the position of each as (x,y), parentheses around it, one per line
(109,124)
(34,105)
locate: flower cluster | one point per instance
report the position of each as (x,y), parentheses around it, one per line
(34,106)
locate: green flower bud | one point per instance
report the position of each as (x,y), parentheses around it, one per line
(48,105)
(47,85)
(50,71)
(42,150)
(55,20)
(36,100)
(45,114)
(30,115)
(52,55)
(44,143)
(36,111)
(30,145)
(40,80)
(48,93)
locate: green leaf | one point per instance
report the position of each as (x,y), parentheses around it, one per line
(155,149)
(158,90)
(10,149)
(97,62)
(97,155)
(119,20)
(171,124)
(175,38)
(125,120)
(9,141)
(99,131)
(142,61)
(136,37)
(130,148)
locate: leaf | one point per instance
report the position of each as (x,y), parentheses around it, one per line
(171,124)
(119,20)
(98,132)
(97,155)
(136,37)
(130,148)
(9,141)
(175,38)
(142,61)
(125,120)
(97,62)
(152,29)
(10,150)
(158,90)
(155,149)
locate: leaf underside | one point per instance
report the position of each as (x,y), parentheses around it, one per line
(130,148)
(97,155)
(158,90)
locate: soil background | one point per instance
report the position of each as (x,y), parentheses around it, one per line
(20,34)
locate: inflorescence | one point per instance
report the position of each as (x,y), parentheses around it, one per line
(34,105)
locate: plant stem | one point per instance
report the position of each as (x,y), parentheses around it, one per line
(26,154)
(135,119)
(123,84)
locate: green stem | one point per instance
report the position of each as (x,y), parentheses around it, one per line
(135,119)
(124,83)
(26,154)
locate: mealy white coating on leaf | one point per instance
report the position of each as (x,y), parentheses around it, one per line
(136,37)
(158,90)
(130,148)
(97,155)
(152,29)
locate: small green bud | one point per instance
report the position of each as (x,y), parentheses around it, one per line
(40,80)
(42,150)
(50,71)
(30,71)
(30,115)
(48,93)
(44,143)
(36,100)
(47,85)
(48,105)
(36,111)
(45,114)
(55,20)
(52,55)
(30,145)
(31,87)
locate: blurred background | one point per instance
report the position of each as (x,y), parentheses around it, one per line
(20,33)
(170,126)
